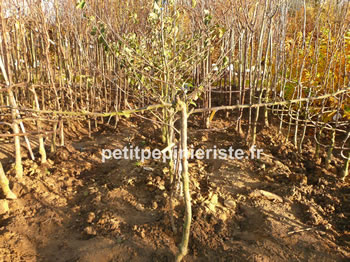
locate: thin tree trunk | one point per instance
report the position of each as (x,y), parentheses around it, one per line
(187,196)
(330,151)
(346,168)
(42,150)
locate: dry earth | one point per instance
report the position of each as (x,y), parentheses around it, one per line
(283,207)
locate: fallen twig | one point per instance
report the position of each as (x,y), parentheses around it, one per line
(299,230)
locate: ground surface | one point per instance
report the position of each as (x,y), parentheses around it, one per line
(280,208)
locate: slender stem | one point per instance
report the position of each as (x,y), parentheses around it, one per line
(183,248)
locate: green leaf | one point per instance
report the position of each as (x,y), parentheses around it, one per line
(225,61)
(221,32)
(127,50)
(156,7)
(207,17)
(93,31)
(81,4)
(153,16)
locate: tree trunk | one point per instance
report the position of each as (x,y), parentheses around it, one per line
(183,248)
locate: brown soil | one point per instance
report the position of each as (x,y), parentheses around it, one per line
(283,207)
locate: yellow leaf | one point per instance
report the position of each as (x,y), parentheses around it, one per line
(194,3)
(212,115)
(347,115)
(126,114)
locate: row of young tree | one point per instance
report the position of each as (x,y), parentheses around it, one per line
(101,60)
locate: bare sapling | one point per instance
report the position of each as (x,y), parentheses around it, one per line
(61,132)
(42,150)
(54,137)
(330,150)
(346,168)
